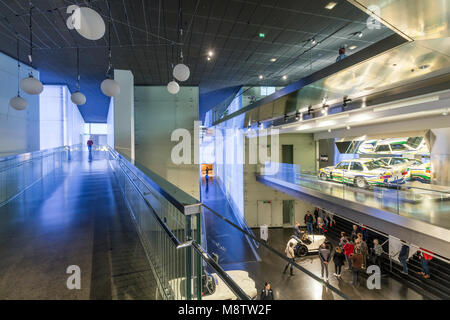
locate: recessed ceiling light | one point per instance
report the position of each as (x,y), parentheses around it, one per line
(329,130)
(284,77)
(330,5)
(273,60)
(353,47)
(208,58)
(261,77)
(210,53)
(348,128)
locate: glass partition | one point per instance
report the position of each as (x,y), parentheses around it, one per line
(428,203)
(19,172)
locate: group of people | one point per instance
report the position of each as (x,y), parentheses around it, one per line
(356,252)
(322,220)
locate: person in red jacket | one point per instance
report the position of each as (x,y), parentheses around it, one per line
(425,256)
(348,250)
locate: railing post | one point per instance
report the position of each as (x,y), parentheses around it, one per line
(188,231)
(199,258)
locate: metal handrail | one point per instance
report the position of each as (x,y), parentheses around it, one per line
(184,202)
(234,287)
(264,244)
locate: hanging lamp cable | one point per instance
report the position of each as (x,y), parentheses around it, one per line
(78,68)
(18,65)
(30,57)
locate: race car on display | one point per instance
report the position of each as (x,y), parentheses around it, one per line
(420,171)
(362,173)
(398,165)
(367,147)
(401,146)
(308,243)
(213,287)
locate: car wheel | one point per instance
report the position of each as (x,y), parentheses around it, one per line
(323,176)
(302,251)
(361,182)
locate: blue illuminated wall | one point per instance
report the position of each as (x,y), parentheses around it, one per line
(19,130)
(61,122)
(231,175)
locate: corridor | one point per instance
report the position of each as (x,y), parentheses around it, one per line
(74,216)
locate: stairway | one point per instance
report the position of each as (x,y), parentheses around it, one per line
(437,287)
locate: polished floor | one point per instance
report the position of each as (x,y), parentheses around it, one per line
(222,238)
(74,216)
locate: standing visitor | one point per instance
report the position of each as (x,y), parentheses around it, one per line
(403,257)
(309,220)
(325,256)
(266,293)
(291,256)
(357,262)
(377,251)
(338,259)
(348,250)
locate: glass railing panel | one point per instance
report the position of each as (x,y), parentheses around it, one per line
(428,203)
(18,172)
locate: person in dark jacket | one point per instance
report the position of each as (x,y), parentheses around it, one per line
(354,233)
(357,263)
(403,257)
(338,259)
(325,257)
(309,221)
(266,293)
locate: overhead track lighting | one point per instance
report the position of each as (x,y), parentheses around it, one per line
(109,86)
(18,102)
(31,85)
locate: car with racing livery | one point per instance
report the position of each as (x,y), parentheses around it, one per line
(420,171)
(362,173)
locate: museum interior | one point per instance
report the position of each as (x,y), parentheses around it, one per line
(224,150)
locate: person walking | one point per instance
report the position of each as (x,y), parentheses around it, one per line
(266,293)
(357,263)
(403,256)
(309,221)
(348,250)
(338,259)
(291,256)
(325,257)
(90,143)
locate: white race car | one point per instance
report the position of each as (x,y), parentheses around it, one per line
(415,145)
(361,172)
(308,243)
(213,287)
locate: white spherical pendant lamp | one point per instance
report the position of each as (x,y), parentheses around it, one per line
(181,72)
(31,85)
(18,103)
(173,87)
(78,98)
(110,87)
(87,22)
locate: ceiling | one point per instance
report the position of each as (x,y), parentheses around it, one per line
(144,33)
